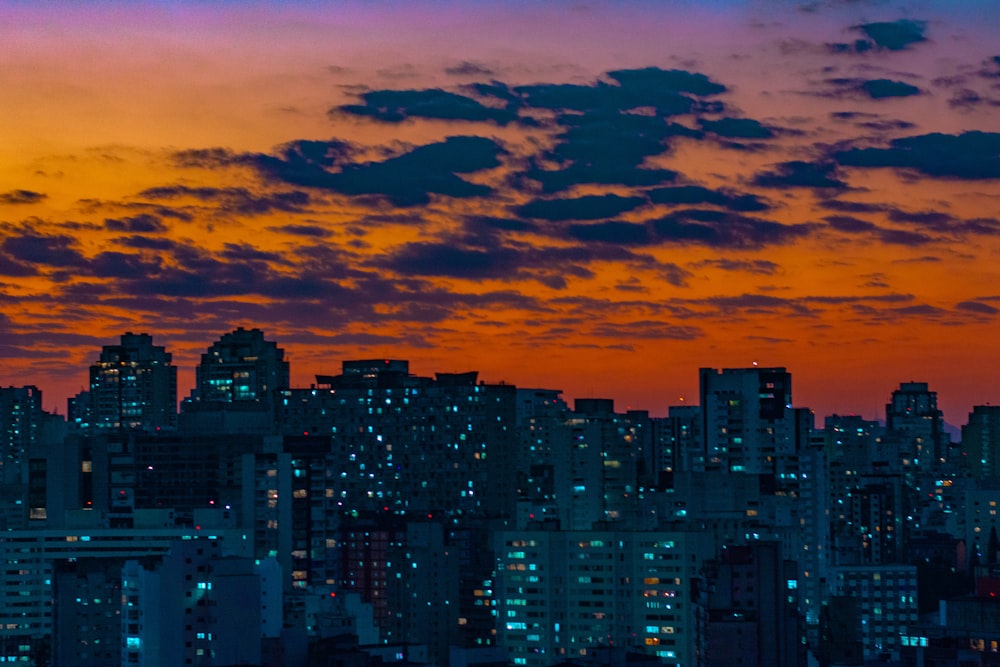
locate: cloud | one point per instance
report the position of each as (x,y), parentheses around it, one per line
(304,230)
(611,231)
(885,35)
(469,68)
(143,223)
(235,200)
(761,266)
(696,194)
(396,106)
(588,207)
(971,155)
(798,174)
(977,307)
(737,128)
(676,80)
(725,229)
(444,259)
(56,251)
(894,35)
(878,89)
(407,179)
(16,197)
(848,223)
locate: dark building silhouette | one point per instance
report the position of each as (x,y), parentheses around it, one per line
(915,425)
(133,386)
(981,441)
(753,617)
(241,366)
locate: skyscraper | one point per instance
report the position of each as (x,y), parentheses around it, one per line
(748,421)
(241,366)
(133,385)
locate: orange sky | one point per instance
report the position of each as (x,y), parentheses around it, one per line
(597,198)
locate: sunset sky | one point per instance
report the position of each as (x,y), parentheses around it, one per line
(594,197)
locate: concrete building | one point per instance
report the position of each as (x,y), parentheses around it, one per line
(195,606)
(981,442)
(133,386)
(562,594)
(915,427)
(887,604)
(75,567)
(748,423)
(753,616)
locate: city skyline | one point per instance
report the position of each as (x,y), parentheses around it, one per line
(598,199)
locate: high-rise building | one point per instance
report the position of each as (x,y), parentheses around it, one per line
(20,417)
(133,386)
(562,594)
(753,617)
(241,366)
(981,441)
(915,425)
(887,604)
(748,423)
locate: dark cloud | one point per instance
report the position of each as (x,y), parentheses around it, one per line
(12,267)
(894,35)
(696,194)
(111,264)
(853,225)
(396,106)
(206,158)
(558,180)
(236,200)
(143,223)
(878,89)
(304,230)
(612,231)
(970,155)
(646,329)
(406,180)
(21,197)
(848,223)
(56,251)
(887,35)
(967,99)
(725,229)
(588,207)
(761,266)
(851,206)
(798,174)
(904,237)
(607,148)
(680,81)
(469,68)
(977,307)
(604,97)
(737,128)
(146,243)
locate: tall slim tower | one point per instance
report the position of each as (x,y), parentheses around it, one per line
(133,385)
(241,366)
